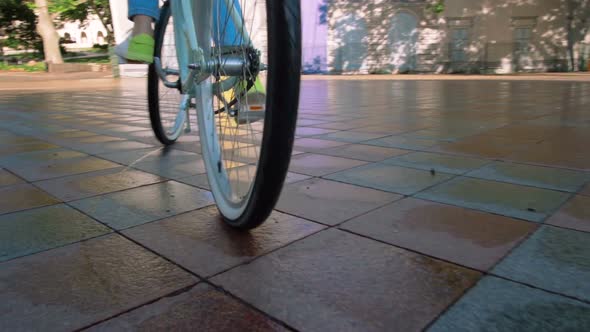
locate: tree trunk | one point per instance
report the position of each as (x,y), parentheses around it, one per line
(47,32)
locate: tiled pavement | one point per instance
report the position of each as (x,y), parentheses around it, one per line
(442,205)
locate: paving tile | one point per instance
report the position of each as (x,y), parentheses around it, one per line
(396,179)
(486,146)
(554,259)
(402,142)
(137,206)
(12,149)
(101,148)
(314,144)
(310,131)
(349,136)
(335,281)
(437,162)
(39,157)
(61,167)
(22,197)
(173,168)
(479,240)
(330,202)
(507,199)
(536,176)
(363,152)
(149,154)
(96,183)
(201,180)
(575,214)
(202,306)
(318,165)
(568,155)
(31,231)
(8,179)
(71,287)
(498,305)
(202,243)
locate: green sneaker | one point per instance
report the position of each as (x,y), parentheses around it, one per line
(137,48)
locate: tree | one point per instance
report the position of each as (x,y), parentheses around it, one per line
(46,30)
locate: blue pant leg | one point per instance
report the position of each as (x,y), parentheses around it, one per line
(223,24)
(143,7)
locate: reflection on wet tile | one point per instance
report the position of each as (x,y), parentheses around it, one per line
(22,197)
(478,239)
(137,206)
(402,143)
(536,176)
(338,281)
(396,179)
(330,202)
(574,214)
(8,179)
(511,200)
(96,183)
(363,152)
(31,231)
(62,167)
(555,259)
(202,243)
(202,306)
(104,276)
(349,136)
(438,162)
(498,305)
(318,165)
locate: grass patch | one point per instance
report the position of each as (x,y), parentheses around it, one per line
(39,66)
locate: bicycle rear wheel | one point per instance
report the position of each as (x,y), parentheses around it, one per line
(247,122)
(164,102)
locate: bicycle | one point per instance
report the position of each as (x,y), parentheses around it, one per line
(246,148)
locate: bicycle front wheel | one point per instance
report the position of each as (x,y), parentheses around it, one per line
(247,115)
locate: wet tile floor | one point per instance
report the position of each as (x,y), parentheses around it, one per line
(410,205)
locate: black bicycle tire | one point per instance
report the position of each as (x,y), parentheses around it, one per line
(283,81)
(154,79)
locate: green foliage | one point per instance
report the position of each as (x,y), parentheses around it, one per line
(18,19)
(437,7)
(17,24)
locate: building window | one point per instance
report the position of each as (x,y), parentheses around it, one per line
(100,38)
(84,38)
(459,41)
(522,39)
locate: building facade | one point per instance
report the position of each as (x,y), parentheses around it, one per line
(83,35)
(466,36)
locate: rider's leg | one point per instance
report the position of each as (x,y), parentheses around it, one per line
(140,45)
(225,30)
